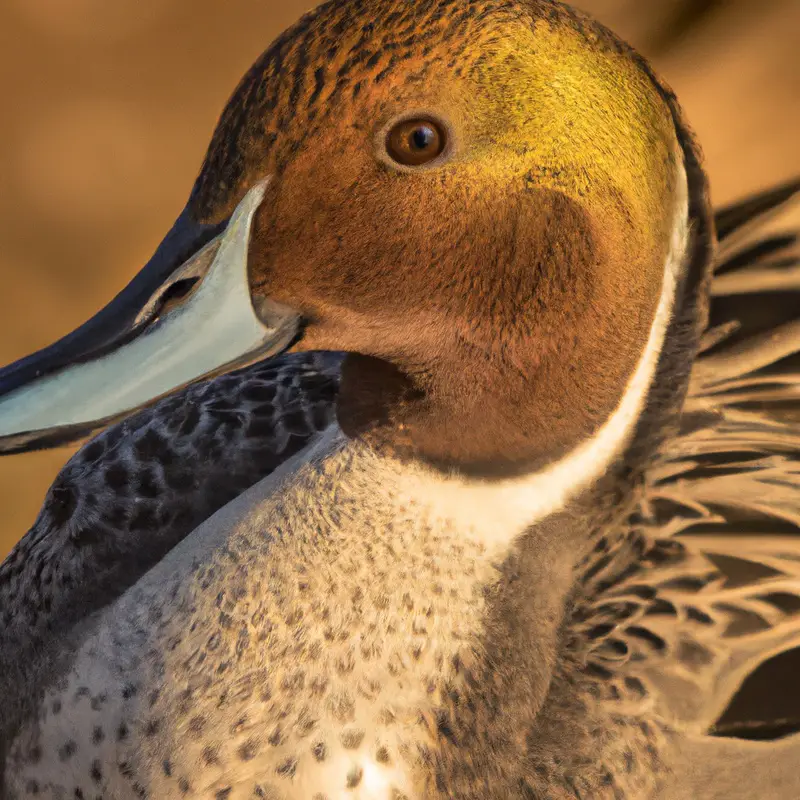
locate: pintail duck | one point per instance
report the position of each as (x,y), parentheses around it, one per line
(485,422)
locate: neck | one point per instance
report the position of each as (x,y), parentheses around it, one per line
(530,497)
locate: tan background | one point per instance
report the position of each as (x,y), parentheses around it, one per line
(107,106)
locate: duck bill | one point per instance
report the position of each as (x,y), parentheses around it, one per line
(179,320)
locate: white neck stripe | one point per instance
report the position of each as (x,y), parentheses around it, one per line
(500,510)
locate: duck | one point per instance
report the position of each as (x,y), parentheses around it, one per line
(429,438)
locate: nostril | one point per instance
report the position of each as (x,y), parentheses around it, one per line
(174,294)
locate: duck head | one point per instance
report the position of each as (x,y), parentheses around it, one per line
(489,206)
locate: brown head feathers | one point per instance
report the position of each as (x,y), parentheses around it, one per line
(509,288)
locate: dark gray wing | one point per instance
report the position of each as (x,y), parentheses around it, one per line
(136,490)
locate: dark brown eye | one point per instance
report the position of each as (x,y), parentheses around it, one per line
(415,142)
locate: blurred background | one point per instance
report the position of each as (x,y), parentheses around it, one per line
(108,107)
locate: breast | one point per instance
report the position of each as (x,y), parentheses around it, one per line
(299,640)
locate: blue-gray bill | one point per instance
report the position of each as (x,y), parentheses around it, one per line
(178,321)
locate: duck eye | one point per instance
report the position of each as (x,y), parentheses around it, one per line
(414,142)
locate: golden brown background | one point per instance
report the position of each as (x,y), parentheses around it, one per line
(107,106)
